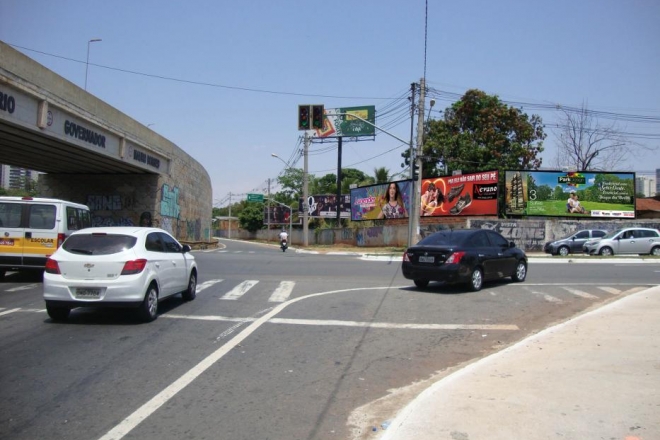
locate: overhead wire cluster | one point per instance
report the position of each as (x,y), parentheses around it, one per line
(396,110)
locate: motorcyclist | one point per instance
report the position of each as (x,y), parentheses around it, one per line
(284,238)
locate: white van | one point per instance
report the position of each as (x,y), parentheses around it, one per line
(32,228)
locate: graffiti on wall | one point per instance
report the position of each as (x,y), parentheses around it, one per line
(169,202)
(528,235)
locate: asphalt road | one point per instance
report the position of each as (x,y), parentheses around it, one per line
(276,346)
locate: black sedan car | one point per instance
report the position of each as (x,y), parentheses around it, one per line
(469,256)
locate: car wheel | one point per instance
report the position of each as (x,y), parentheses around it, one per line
(606,252)
(476,279)
(521,272)
(149,307)
(656,251)
(57,313)
(2,274)
(191,292)
(563,251)
(421,283)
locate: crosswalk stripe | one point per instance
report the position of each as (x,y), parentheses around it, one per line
(611,290)
(7,312)
(282,292)
(580,293)
(239,290)
(206,285)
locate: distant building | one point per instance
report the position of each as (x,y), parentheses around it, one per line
(646,185)
(12,177)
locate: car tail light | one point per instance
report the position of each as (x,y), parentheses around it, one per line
(52,266)
(455,258)
(406,257)
(60,239)
(134,266)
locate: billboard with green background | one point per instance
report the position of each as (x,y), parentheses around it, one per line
(570,194)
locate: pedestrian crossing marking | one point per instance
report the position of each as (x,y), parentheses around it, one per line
(611,290)
(239,290)
(206,285)
(282,292)
(580,293)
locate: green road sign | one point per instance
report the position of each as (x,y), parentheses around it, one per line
(255,198)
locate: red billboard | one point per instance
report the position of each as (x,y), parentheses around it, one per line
(463,194)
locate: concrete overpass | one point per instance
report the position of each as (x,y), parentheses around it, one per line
(96,155)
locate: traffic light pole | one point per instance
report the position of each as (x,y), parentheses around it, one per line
(305,191)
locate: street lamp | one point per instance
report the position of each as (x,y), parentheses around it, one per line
(93,40)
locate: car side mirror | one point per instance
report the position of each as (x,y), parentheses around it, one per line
(512,244)
(186,248)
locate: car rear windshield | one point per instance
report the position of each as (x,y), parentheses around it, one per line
(452,238)
(98,244)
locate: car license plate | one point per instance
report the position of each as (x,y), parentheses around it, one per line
(425,259)
(87,293)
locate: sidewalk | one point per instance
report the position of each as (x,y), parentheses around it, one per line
(596,376)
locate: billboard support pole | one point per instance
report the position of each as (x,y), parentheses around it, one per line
(415,190)
(338,179)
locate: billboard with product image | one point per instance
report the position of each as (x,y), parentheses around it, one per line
(463,194)
(570,194)
(325,206)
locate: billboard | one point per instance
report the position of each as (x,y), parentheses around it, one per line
(570,194)
(278,215)
(464,194)
(381,201)
(336,123)
(325,206)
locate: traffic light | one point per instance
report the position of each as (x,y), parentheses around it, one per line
(303,117)
(317,117)
(416,169)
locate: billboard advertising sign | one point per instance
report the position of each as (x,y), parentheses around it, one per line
(336,123)
(381,201)
(570,194)
(465,194)
(277,215)
(325,206)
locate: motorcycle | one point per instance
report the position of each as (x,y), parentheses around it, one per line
(283,244)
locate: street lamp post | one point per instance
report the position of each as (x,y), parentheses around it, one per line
(93,40)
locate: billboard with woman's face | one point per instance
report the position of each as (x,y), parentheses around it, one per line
(381,201)
(571,194)
(463,194)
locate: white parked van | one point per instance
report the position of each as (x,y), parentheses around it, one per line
(32,228)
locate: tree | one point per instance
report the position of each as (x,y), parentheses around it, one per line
(382,175)
(251,217)
(584,144)
(480,133)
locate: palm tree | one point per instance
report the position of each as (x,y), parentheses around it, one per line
(382,175)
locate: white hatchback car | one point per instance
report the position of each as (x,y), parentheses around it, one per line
(121,266)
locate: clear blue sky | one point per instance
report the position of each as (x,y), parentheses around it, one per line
(223,80)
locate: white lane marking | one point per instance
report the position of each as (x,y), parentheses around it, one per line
(611,290)
(134,419)
(239,290)
(282,292)
(7,312)
(334,322)
(25,287)
(580,293)
(206,285)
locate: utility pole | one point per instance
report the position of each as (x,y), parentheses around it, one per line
(268,209)
(411,162)
(229,222)
(414,209)
(305,191)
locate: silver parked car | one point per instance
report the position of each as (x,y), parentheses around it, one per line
(626,241)
(572,243)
